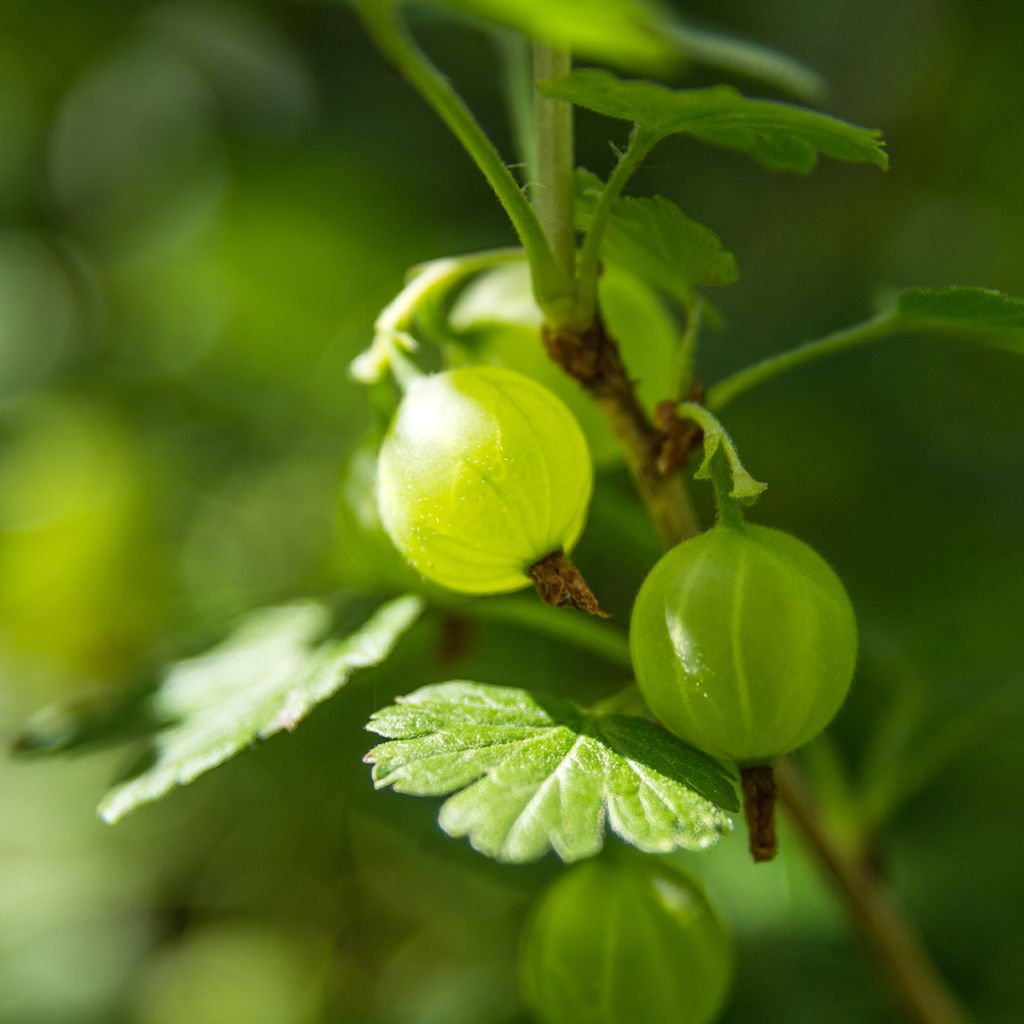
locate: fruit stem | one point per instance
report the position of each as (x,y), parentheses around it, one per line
(560,584)
(759,793)
(639,146)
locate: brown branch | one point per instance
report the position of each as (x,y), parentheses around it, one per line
(591,356)
(874,911)
(678,438)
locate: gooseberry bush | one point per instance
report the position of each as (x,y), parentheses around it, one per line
(502,384)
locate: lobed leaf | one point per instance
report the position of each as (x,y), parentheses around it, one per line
(267,676)
(531,773)
(657,241)
(779,136)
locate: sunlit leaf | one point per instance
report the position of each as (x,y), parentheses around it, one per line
(532,773)
(265,677)
(778,136)
(657,241)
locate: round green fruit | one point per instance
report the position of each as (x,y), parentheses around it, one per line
(744,642)
(496,322)
(483,472)
(627,942)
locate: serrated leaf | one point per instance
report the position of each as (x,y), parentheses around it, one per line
(627,33)
(753,60)
(532,773)
(656,241)
(963,310)
(265,677)
(779,136)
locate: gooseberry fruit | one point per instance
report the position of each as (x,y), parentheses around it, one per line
(483,473)
(495,321)
(629,942)
(743,642)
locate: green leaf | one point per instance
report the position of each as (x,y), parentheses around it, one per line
(265,677)
(532,773)
(86,721)
(627,33)
(779,136)
(753,60)
(959,309)
(656,241)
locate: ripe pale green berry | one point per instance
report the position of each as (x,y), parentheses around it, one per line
(497,323)
(744,642)
(631,942)
(483,472)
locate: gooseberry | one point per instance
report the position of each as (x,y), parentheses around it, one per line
(482,474)
(495,321)
(743,642)
(628,942)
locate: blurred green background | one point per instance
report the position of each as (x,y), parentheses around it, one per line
(202,207)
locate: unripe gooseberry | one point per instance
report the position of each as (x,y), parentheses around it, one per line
(495,321)
(744,642)
(483,473)
(629,942)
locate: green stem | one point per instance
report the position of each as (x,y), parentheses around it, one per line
(517,67)
(554,196)
(640,144)
(743,380)
(686,355)
(581,631)
(552,286)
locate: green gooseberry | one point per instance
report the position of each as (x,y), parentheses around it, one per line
(625,942)
(483,472)
(744,642)
(497,322)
